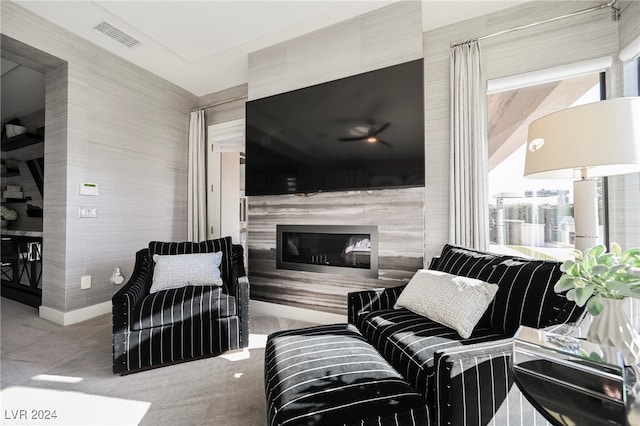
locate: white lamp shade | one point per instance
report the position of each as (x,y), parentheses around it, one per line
(602,137)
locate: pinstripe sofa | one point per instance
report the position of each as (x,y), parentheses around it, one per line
(466,381)
(181,324)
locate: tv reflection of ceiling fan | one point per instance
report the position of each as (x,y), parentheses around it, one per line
(371,136)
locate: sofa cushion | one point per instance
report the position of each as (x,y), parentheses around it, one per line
(470,263)
(408,341)
(223,245)
(170,307)
(526,296)
(467,262)
(451,300)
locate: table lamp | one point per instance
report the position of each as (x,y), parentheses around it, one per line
(583,142)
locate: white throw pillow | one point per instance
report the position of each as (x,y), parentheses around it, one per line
(453,301)
(179,270)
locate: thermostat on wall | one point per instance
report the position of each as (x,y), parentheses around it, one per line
(88,188)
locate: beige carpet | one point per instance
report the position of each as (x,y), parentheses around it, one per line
(45,368)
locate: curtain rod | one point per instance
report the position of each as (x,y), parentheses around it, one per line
(219,103)
(615,13)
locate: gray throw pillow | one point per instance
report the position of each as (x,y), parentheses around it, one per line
(453,301)
(179,270)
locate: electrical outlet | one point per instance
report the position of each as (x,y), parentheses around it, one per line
(85,282)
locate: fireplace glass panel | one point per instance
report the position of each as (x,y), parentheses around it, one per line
(330,249)
(343,250)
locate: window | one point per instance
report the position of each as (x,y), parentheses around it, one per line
(532,217)
(624,198)
(624,190)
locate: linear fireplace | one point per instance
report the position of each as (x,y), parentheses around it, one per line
(332,249)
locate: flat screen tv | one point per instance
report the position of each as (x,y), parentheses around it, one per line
(356,133)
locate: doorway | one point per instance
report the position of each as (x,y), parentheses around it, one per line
(48,210)
(22,182)
(226,201)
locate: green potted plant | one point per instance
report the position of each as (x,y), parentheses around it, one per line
(602,279)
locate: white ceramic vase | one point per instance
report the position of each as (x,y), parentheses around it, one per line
(613,328)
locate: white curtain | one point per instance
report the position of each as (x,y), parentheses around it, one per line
(197,185)
(468,224)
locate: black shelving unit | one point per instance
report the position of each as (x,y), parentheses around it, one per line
(21,141)
(10,172)
(22,269)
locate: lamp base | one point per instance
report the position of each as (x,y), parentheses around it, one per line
(585,213)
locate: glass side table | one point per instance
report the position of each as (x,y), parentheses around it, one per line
(571,381)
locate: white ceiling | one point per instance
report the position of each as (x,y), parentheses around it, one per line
(202,46)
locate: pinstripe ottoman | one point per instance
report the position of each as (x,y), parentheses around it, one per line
(330,375)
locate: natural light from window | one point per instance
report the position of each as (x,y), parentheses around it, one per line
(50,400)
(22,405)
(531,217)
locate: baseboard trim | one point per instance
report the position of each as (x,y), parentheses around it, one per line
(75,316)
(293,312)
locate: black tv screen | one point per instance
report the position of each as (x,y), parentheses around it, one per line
(360,132)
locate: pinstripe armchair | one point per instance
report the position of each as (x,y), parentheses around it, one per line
(466,381)
(169,326)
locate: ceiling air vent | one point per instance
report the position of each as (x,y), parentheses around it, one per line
(116,35)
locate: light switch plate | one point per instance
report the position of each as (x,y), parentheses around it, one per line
(84,212)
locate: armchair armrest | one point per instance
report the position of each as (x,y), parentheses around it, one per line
(237,257)
(242,299)
(473,386)
(371,300)
(240,289)
(132,293)
(124,303)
